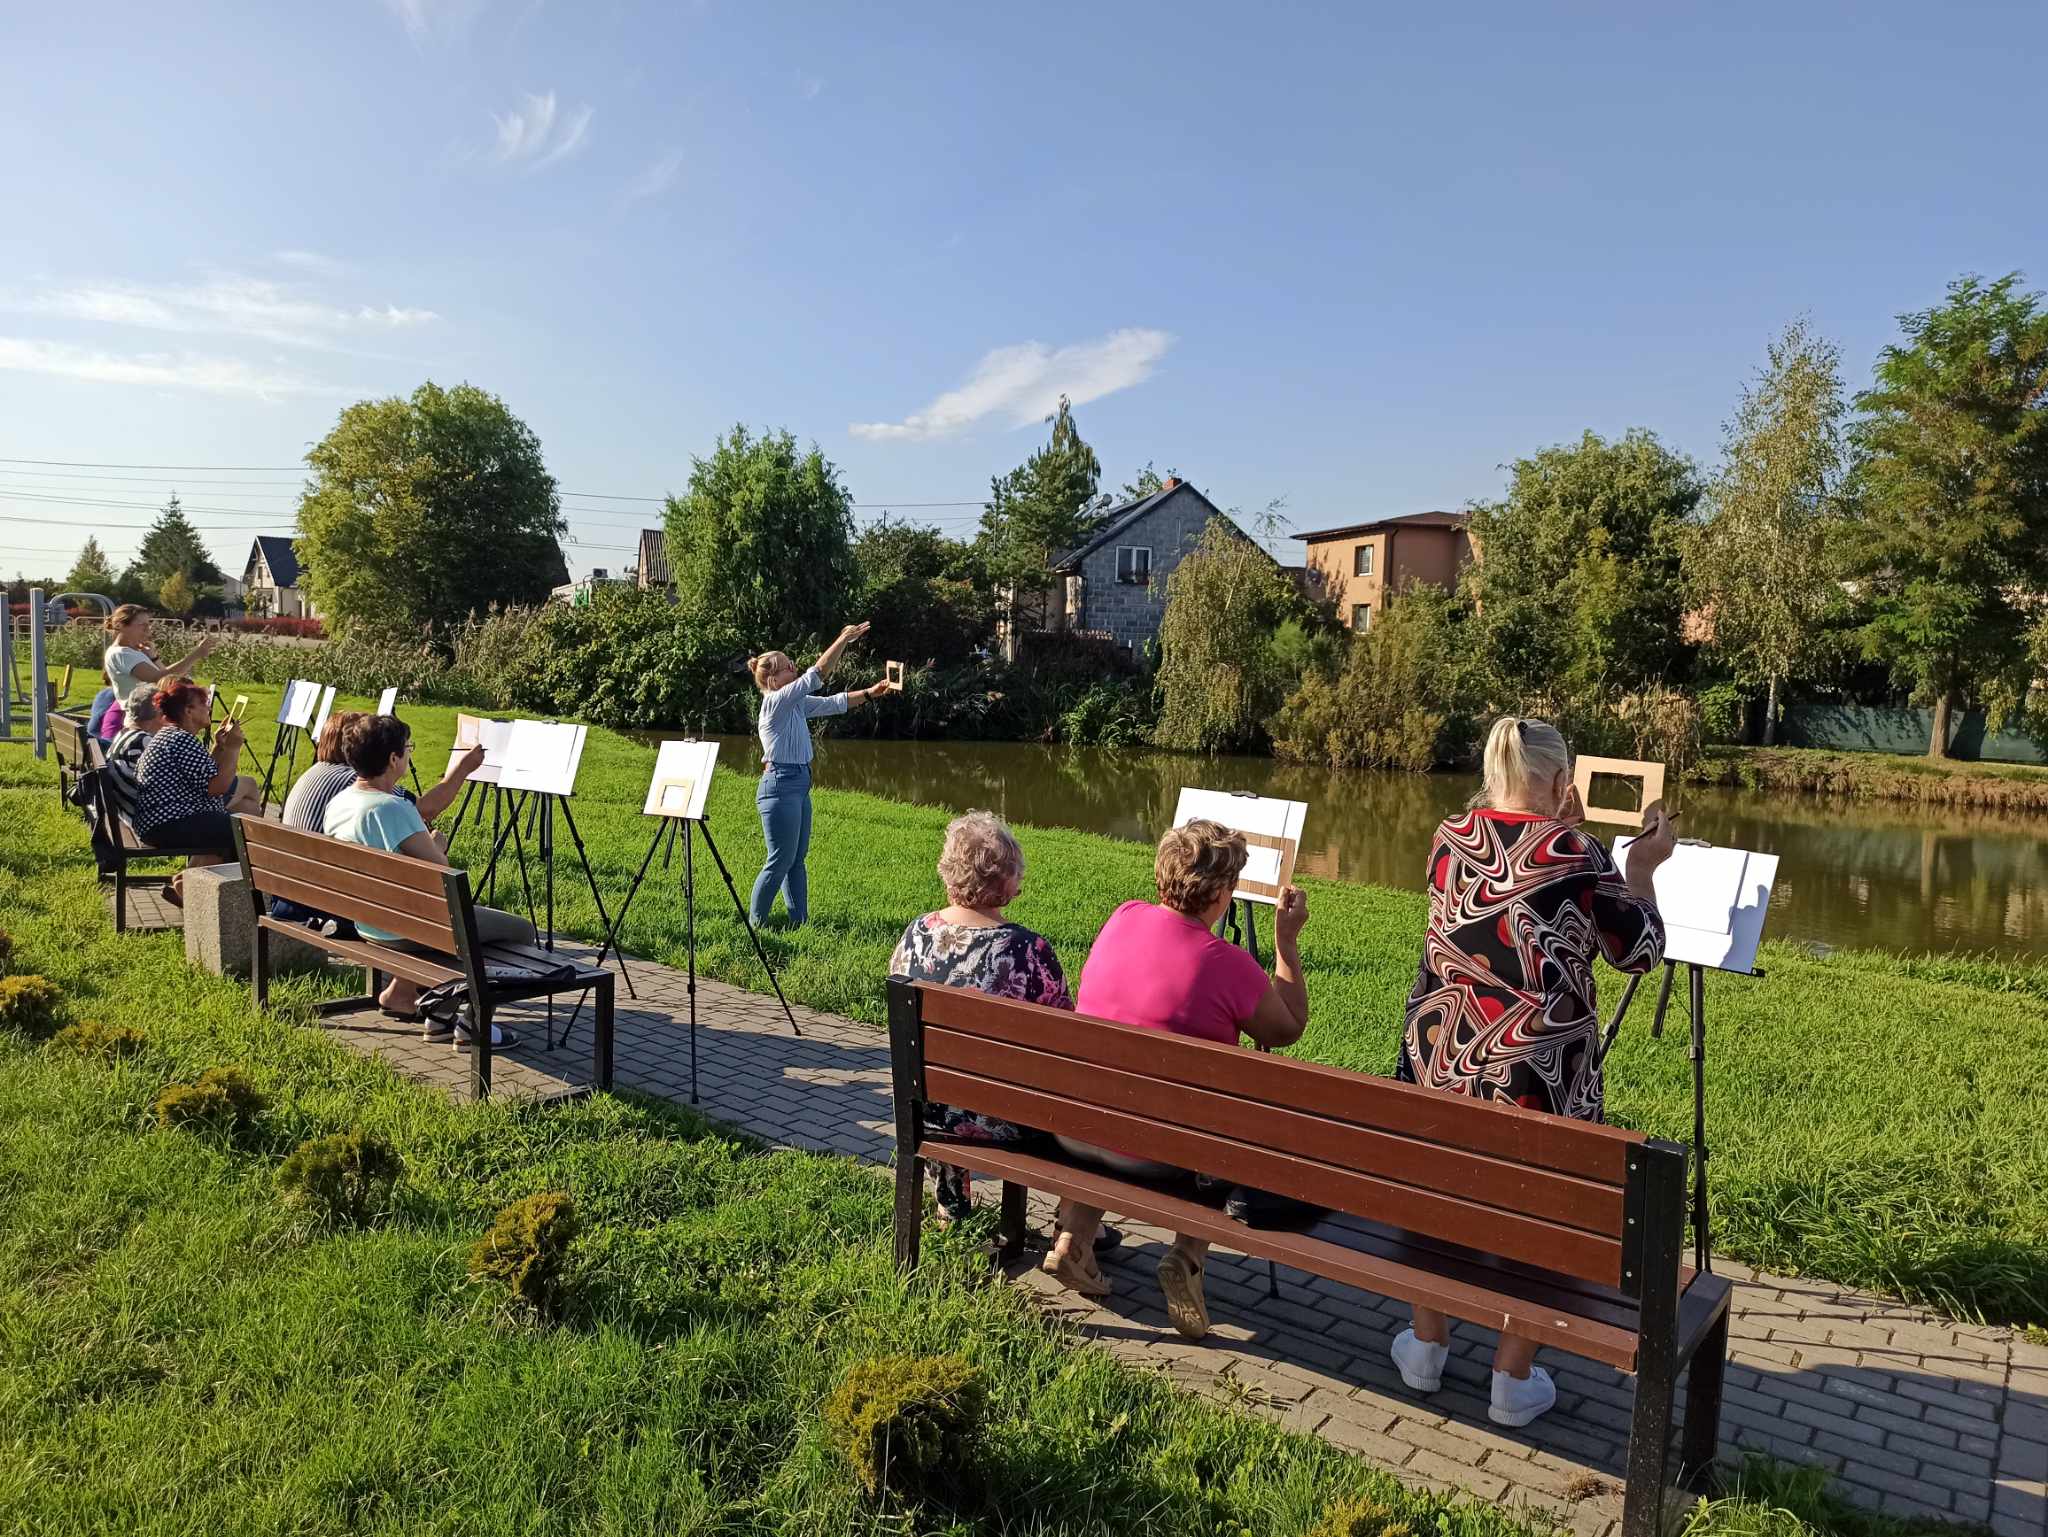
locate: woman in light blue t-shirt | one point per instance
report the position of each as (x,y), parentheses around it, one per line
(790,701)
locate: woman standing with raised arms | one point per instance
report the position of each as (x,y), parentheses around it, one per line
(790,701)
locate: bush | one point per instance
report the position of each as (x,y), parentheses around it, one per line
(528,1249)
(631,658)
(907,1424)
(30,1006)
(1724,712)
(1360,1515)
(1110,715)
(344,1179)
(97,1039)
(223,1101)
(6,953)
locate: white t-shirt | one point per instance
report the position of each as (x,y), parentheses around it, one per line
(121,664)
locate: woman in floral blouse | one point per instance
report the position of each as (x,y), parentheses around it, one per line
(969,943)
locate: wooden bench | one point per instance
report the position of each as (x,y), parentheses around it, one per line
(82,776)
(77,753)
(1562,1231)
(424,903)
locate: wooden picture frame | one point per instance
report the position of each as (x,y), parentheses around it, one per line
(892,674)
(1649,775)
(1289,848)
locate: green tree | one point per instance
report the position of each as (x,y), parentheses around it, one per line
(1950,551)
(919,590)
(763,540)
(1146,482)
(92,571)
(1221,673)
(172,547)
(1577,578)
(1037,512)
(427,510)
(176,594)
(1759,565)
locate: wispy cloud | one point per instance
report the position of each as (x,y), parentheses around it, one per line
(311,261)
(428,21)
(159,370)
(1023,384)
(529,134)
(656,179)
(808,86)
(227,305)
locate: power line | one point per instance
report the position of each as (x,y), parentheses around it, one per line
(147,480)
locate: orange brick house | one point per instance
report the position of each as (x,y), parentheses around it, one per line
(1359,566)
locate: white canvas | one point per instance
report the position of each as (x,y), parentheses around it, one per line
(682,780)
(291,696)
(305,697)
(387,701)
(1688,887)
(1248,814)
(470,730)
(543,755)
(326,709)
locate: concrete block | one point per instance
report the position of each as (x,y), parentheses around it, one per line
(220,928)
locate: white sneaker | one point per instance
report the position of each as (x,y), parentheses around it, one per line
(1421,1363)
(1518,1400)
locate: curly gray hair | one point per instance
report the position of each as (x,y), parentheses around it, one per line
(981,863)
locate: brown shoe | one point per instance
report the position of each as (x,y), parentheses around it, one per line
(1075,1270)
(1181,1279)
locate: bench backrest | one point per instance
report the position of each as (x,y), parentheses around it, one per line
(1562,1195)
(73,745)
(409,897)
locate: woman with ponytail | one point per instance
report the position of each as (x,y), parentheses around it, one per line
(790,701)
(1520,901)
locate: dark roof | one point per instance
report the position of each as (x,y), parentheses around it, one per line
(1405,520)
(1127,515)
(279,555)
(654,570)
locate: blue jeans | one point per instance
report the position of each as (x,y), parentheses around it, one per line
(784,800)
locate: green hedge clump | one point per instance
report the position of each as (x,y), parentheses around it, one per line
(346,1179)
(1361,1515)
(223,1100)
(30,1006)
(908,1424)
(528,1249)
(98,1039)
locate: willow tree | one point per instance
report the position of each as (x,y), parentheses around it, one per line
(1220,678)
(1759,565)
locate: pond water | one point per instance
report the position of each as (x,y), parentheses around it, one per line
(1866,874)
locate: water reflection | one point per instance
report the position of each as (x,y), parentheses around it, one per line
(1866,874)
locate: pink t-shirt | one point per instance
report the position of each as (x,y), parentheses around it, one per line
(1153,968)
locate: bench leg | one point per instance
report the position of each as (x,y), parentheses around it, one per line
(1701,1437)
(259,967)
(909,1208)
(601,1067)
(480,1053)
(1642,1511)
(1011,1233)
(121,898)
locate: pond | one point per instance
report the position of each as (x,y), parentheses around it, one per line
(1865,874)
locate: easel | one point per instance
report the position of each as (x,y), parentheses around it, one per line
(289,731)
(690,821)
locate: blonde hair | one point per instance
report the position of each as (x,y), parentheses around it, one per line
(1520,754)
(981,863)
(124,616)
(763,665)
(1198,863)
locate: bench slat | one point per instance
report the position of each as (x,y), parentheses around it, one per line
(421,931)
(356,893)
(1528,1239)
(1447,1171)
(1495,1309)
(425,970)
(1584,1149)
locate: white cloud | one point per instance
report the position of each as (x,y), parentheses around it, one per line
(526,135)
(310,261)
(426,20)
(228,305)
(809,85)
(656,179)
(1023,384)
(162,370)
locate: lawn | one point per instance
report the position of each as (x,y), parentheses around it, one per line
(1874,1119)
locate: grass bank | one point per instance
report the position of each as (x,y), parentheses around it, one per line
(1874,1119)
(1877,776)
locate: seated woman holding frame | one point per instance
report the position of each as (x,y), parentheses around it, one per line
(1520,901)
(185,791)
(1162,967)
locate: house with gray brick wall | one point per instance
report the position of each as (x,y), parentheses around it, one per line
(1115,583)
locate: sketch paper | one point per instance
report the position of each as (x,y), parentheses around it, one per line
(284,705)
(682,780)
(1273,828)
(1688,887)
(470,730)
(542,755)
(1651,776)
(300,701)
(326,709)
(387,702)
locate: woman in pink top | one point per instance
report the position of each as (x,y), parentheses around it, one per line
(1163,968)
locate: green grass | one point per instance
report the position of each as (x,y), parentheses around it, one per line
(1874,1119)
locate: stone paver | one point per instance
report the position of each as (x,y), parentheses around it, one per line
(1910,1413)
(147,909)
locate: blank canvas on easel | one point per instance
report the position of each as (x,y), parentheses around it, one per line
(1272,834)
(491,735)
(682,780)
(1713,901)
(543,755)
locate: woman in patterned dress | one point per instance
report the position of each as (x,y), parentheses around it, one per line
(969,943)
(1520,900)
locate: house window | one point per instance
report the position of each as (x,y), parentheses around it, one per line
(1361,563)
(1133,564)
(1361,616)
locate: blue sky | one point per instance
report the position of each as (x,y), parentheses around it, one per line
(1353,256)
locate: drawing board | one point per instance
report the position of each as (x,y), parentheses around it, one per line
(284,705)
(325,709)
(300,698)
(543,755)
(387,702)
(1271,828)
(1650,775)
(1714,901)
(491,735)
(682,780)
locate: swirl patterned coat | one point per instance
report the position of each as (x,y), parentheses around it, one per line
(1503,1004)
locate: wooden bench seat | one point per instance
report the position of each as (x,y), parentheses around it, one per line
(1565,1232)
(424,904)
(82,776)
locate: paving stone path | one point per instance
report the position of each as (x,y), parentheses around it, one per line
(1909,1412)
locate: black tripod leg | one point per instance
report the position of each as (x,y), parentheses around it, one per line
(741,908)
(611,934)
(690,920)
(1251,928)
(1702,1249)
(1628,994)
(519,853)
(1663,999)
(583,858)
(461,811)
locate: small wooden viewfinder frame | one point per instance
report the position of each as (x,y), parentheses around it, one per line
(1649,775)
(892,674)
(1270,890)
(239,708)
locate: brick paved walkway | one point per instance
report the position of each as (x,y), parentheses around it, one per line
(1911,1413)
